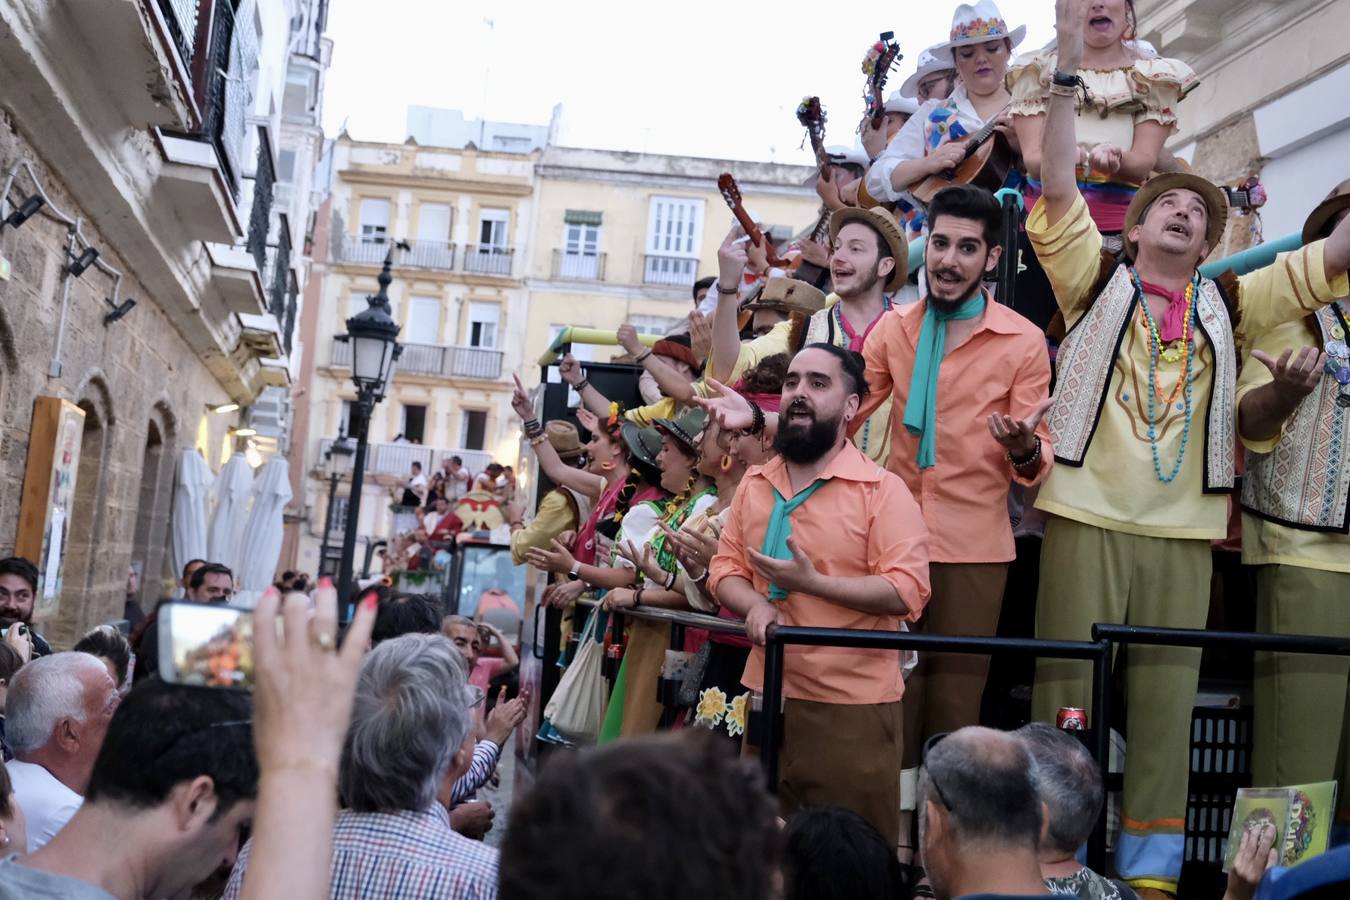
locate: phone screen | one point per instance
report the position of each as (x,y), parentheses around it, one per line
(206,645)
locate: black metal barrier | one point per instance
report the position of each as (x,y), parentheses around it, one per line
(1098,652)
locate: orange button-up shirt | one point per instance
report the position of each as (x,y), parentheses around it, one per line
(862,522)
(1003,367)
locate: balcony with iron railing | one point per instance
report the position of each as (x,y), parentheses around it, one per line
(371,249)
(578,266)
(435,360)
(260,217)
(397,459)
(488,259)
(672,270)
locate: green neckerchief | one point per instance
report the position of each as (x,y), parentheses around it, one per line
(666,558)
(921,407)
(780,529)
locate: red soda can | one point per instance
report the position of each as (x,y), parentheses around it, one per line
(1071,718)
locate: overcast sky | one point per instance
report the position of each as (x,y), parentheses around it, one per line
(697,78)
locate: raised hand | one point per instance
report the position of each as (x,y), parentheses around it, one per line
(700,336)
(1018,436)
(732,258)
(570,370)
(1070,19)
(730,409)
(520,401)
(506,715)
(628,339)
(589,420)
(1294,376)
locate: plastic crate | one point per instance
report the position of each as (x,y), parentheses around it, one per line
(1221,762)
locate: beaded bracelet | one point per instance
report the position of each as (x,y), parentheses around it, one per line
(757,419)
(581,385)
(1034,459)
(537,439)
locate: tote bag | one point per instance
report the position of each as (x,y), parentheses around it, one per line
(578,704)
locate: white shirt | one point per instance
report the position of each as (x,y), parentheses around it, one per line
(910,142)
(47,804)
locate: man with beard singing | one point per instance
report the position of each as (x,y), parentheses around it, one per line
(824,537)
(957,367)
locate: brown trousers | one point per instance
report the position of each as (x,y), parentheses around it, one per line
(848,755)
(943,692)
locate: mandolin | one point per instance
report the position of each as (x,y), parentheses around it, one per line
(731,193)
(988,160)
(811,115)
(877,65)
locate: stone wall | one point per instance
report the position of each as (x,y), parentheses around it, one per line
(125,375)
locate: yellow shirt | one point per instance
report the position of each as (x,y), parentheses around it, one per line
(1116,487)
(553,517)
(752,353)
(1265,542)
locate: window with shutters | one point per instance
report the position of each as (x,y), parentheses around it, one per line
(581,245)
(374,220)
(674,233)
(492,226)
(484,319)
(423,325)
(472,429)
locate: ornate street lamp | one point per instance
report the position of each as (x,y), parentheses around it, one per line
(373,336)
(337,462)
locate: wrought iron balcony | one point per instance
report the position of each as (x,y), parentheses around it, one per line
(578,266)
(488,259)
(436,360)
(672,270)
(371,249)
(260,218)
(397,459)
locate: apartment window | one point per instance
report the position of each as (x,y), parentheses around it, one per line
(345,413)
(472,429)
(661,325)
(424,321)
(484,319)
(581,244)
(433,223)
(286,165)
(414,423)
(374,221)
(674,230)
(492,224)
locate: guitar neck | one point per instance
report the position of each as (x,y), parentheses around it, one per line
(974,142)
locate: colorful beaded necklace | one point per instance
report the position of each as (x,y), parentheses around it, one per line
(1156,351)
(850,338)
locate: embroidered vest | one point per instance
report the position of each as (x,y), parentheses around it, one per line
(1305,481)
(1088,354)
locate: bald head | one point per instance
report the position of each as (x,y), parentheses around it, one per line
(985,781)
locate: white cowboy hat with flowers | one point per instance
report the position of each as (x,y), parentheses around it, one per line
(977,23)
(928,64)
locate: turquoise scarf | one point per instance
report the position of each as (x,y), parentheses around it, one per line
(780,529)
(921,407)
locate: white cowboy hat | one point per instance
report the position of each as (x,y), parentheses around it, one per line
(844,156)
(899,103)
(928,64)
(977,23)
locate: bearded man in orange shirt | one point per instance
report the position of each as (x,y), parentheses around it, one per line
(824,537)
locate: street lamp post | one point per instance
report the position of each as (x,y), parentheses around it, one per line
(337,462)
(373,336)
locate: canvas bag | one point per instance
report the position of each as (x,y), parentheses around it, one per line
(578,704)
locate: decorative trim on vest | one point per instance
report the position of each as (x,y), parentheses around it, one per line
(1087,357)
(1305,481)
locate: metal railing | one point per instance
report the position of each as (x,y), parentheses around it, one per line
(435,359)
(280,281)
(578,266)
(260,218)
(485,259)
(210,65)
(397,459)
(673,270)
(181,18)
(429,255)
(365,249)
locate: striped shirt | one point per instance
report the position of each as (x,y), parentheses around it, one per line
(485,756)
(402,854)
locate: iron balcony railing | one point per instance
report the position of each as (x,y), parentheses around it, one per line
(435,360)
(488,259)
(673,270)
(578,266)
(397,459)
(181,18)
(260,218)
(371,250)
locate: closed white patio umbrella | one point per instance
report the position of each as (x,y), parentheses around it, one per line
(261,547)
(192,485)
(230,493)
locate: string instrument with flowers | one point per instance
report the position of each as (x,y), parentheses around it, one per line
(811,115)
(731,193)
(877,63)
(988,160)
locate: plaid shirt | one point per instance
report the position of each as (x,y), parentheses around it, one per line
(397,855)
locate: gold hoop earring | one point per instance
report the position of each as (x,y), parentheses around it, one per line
(727,462)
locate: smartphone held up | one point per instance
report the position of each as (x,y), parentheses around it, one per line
(206,645)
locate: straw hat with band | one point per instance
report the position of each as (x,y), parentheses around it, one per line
(928,65)
(1319,221)
(672,348)
(977,23)
(1214,199)
(684,428)
(890,230)
(788,295)
(565,439)
(642,443)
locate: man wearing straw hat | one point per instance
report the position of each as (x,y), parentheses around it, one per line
(1294,418)
(1143,423)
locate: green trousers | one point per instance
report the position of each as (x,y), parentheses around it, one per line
(1089,575)
(1301,700)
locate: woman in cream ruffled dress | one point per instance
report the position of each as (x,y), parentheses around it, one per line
(1129,113)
